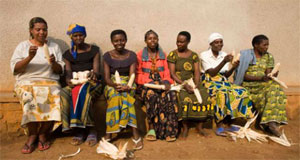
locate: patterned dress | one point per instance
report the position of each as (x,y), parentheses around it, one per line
(161,105)
(189,108)
(268,97)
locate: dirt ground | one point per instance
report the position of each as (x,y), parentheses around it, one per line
(194,147)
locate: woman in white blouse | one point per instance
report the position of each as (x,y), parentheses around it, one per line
(229,100)
(36,65)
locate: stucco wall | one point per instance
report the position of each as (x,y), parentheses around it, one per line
(237,20)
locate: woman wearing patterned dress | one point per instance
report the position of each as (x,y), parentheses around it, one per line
(37,84)
(77,99)
(267,95)
(120,97)
(161,104)
(229,100)
(184,64)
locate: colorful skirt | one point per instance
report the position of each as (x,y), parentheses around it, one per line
(227,98)
(120,107)
(40,101)
(191,109)
(76,103)
(269,100)
(162,111)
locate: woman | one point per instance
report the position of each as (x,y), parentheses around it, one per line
(161,105)
(37,84)
(228,99)
(268,97)
(184,64)
(77,99)
(120,97)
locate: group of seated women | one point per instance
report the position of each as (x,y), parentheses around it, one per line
(46,105)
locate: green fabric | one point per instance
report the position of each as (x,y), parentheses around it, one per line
(189,108)
(268,97)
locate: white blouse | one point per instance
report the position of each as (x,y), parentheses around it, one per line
(38,68)
(208,61)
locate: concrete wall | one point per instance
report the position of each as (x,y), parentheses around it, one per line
(237,20)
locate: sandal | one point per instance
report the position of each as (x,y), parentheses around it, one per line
(77,140)
(27,148)
(91,140)
(170,139)
(233,129)
(136,143)
(220,132)
(43,145)
(151,136)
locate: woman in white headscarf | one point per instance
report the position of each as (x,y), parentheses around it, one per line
(228,100)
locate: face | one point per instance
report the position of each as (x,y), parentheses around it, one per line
(182,43)
(152,41)
(78,38)
(119,42)
(39,32)
(217,45)
(262,47)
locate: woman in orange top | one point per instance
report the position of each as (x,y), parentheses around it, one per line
(161,104)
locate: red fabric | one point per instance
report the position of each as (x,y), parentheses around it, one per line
(143,77)
(75,93)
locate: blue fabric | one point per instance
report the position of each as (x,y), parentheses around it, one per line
(74,29)
(247,58)
(145,56)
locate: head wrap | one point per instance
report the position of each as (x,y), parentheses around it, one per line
(73,28)
(214,36)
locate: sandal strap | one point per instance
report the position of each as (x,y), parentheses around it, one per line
(136,141)
(151,132)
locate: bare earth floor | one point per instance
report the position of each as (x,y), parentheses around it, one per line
(195,147)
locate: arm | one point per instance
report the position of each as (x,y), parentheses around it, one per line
(173,74)
(107,75)
(214,71)
(234,66)
(196,74)
(139,73)
(95,75)
(20,66)
(68,73)
(56,68)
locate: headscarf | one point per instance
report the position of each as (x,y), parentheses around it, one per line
(73,28)
(214,36)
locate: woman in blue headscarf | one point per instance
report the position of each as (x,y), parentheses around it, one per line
(77,99)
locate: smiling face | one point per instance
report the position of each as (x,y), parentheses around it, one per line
(216,45)
(78,38)
(152,41)
(119,42)
(262,47)
(182,43)
(39,32)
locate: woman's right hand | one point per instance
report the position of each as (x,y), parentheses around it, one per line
(69,83)
(32,51)
(188,88)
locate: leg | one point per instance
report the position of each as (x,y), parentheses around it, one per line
(185,129)
(32,128)
(137,139)
(78,138)
(201,130)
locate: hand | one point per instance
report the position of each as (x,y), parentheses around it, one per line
(32,51)
(167,86)
(265,78)
(236,64)
(188,88)
(52,58)
(69,83)
(93,76)
(276,74)
(228,58)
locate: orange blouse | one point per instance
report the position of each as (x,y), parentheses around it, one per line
(144,67)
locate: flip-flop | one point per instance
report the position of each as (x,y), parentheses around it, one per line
(220,132)
(136,142)
(43,145)
(151,136)
(170,139)
(27,148)
(232,129)
(91,140)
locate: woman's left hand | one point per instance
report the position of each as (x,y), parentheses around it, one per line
(236,64)
(93,76)
(167,86)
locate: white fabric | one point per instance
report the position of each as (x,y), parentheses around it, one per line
(208,61)
(214,36)
(38,68)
